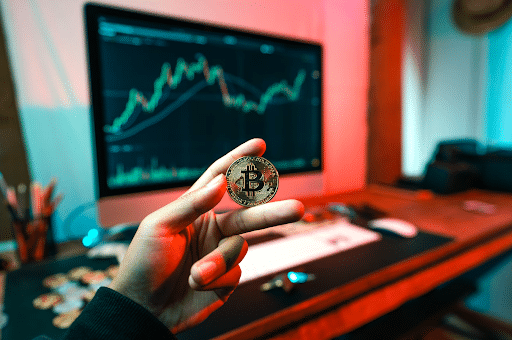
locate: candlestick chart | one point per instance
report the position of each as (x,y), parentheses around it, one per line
(142,111)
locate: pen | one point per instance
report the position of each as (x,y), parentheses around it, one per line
(3,185)
(22,197)
(11,198)
(13,213)
(35,195)
(48,191)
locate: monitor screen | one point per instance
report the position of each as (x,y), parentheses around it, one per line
(170,96)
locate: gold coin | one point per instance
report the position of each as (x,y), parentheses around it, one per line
(252,180)
(56,280)
(76,274)
(46,301)
(65,320)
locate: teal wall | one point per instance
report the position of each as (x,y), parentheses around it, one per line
(499,95)
(456,86)
(495,288)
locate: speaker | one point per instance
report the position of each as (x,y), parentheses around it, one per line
(448,178)
(497,171)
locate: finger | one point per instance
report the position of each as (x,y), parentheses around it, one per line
(188,207)
(225,283)
(260,217)
(217,263)
(253,147)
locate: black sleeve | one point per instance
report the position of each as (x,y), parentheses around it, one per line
(111,315)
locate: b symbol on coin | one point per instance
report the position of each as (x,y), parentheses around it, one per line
(252,180)
(249,180)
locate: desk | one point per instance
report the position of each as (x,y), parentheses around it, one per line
(477,238)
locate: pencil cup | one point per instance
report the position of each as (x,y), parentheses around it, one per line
(34,240)
(31,211)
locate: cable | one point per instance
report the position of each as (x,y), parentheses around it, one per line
(72,216)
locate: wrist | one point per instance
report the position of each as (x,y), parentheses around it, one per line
(136,295)
(133,294)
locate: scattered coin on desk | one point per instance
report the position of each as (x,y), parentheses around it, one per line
(71,291)
(112,271)
(76,274)
(94,277)
(68,305)
(4,318)
(46,301)
(55,280)
(65,320)
(252,181)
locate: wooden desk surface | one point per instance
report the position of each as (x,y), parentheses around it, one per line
(478,238)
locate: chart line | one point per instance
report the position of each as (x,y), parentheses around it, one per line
(137,100)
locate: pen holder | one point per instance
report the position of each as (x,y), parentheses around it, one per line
(31,212)
(34,239)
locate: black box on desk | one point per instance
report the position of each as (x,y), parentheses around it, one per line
(497,171)
(448,178)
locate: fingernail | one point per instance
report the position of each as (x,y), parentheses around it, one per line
(215,181)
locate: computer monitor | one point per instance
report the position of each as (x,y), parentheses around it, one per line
(170,96)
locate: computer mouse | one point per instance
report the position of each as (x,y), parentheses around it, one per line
(395,226)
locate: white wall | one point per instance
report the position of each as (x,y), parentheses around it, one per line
(444,79)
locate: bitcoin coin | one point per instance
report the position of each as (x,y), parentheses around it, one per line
(252,180)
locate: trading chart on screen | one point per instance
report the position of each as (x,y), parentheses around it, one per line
(176,98)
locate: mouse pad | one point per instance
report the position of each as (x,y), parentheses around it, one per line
(248,303)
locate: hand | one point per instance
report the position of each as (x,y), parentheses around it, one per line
(182,263)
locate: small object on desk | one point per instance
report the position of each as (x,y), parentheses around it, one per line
(287,281)
(47,301)
(479,207)
(317,214)
(5,264)
(69,292)
(112,271)
(358,215)
(98,235)
(94,277)
(395,226)
(346,211)
(76,274)
(31,222)
(112,249)
(22,201)
(424,195)
(300,277)
(68,305)
(65,320)
(3,185)
(4,318)
(55,280)
(89,296)
(342,209)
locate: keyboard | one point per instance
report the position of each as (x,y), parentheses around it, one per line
(301,244)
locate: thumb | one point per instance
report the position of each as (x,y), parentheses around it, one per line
(220,261)
(187,208)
